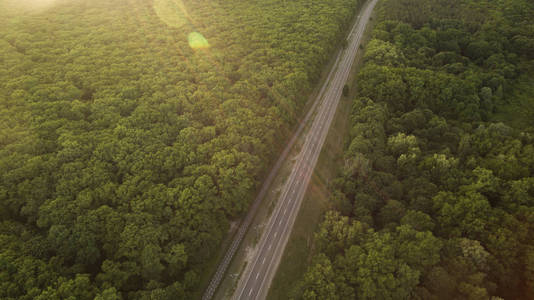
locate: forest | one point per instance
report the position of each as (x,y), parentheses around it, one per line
(133,132)
(435,199)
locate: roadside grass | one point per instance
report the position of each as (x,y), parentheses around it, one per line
(299,250)
(518,112)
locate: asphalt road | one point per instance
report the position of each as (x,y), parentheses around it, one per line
(259,273)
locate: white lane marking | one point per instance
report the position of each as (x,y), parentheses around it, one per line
(270,245)
(263,261)
(250,292)
(280,223)
(285,210)
(257,274)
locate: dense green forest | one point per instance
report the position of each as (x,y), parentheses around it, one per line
(436,198)
(132,132)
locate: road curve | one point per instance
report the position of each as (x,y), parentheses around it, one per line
(259,273)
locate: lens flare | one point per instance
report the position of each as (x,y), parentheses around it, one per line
(171,12)
(28,5)
(197,41)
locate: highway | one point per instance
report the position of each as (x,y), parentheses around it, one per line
(259,272)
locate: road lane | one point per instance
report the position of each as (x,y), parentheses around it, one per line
(256,278)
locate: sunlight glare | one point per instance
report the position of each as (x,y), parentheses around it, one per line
(30,5)
(197,41)
(171,12)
